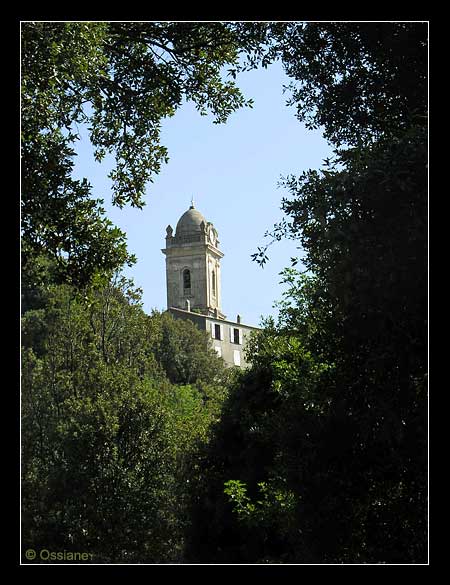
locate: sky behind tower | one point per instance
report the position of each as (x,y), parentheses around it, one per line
(232,171)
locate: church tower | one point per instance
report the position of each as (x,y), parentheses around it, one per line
(193,265)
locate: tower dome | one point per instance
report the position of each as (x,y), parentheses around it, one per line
(189,222)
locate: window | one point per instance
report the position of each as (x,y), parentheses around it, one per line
(235,335)
(187,280)
(213,283)
(217,331)
(237,357)
(218,350)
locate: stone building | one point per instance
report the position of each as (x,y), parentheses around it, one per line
(193,279)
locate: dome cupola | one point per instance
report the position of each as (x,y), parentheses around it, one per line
(190,222)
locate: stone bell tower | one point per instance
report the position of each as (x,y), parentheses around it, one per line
(193,265)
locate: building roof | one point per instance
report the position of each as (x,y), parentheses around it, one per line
(189,314)
(189,222)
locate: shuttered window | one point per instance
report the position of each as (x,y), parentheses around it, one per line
(216,331)
(236,335)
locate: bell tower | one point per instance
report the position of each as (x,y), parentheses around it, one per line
(193,265)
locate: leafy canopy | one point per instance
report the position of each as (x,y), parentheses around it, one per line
(122,80)
(331,419)
(107,438)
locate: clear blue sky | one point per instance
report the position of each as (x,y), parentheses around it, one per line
(232,170)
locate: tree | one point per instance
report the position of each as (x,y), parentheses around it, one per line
(333,414)
(106,437)
(122,79)
(357,81)
(362,222)
(184,351)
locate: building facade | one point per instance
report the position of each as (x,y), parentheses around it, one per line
(193,280)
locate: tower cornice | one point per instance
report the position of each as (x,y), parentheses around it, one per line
(193,248)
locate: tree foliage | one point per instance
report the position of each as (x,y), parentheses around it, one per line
(122,80)
(106,436)
(332,417)
(357,81)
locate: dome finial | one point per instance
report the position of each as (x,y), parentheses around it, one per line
(192,203)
